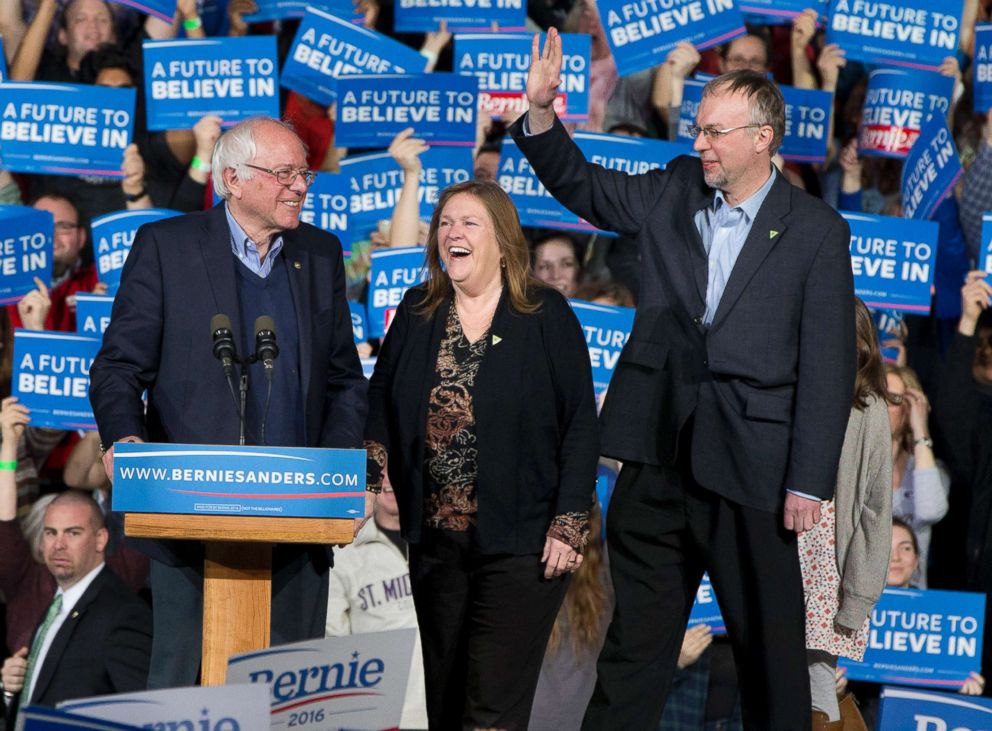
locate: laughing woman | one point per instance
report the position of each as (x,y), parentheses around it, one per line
(482,405)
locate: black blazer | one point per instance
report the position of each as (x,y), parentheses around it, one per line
(103,646)
(534,411)
(770,382)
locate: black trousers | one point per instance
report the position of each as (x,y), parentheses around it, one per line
(484,625)
(663,531)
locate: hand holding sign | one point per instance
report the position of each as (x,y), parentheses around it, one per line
(133,184)
(695,642)
(804,28)
(13,418)
(832,59)
(406,150)
(975,297)
(543,80)
(34,306)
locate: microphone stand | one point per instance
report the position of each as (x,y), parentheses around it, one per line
(242,403)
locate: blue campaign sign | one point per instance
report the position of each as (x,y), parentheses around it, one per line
(233,78)
(642,32)
(37,718)
(93,314)
(903,709)
(292,482)
(931,170)
(631,155)
(807,119)
(326,206)
(64,129)
(500,62)
(359,325)
(423,16)
(892,260)
(52,377)
(327,48)
(164,10)
(897,103)
(779,12)
(535,205)
(929,638)
(368,367)
(692,94)
(982,68)
(113,235)
(25,250)
(372,110)
(3,62)
(607,329)
(393,272)
(985,254)
(706,610)
(916,34)
(283,9)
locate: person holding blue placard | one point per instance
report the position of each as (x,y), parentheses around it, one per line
(481,409)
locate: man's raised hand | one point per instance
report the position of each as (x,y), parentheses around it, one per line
(543,81)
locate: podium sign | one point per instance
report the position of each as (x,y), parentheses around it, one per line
(198,479)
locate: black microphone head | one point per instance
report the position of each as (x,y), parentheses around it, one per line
(220,321)
(264,322)
(265,340)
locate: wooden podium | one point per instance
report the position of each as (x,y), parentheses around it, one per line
(237,572)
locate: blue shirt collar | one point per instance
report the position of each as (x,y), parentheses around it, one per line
(246,250)
(753,202)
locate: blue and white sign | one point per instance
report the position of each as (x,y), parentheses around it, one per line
(393,272)
(779,12)
(37,718)
(3,62)
(928,638)
(25,250)
(705,609)
(982,68)
(290,482)
(113,235)
(326,206)
(164,10)
(284,9)
(500,63)
(93,314)
(631,155)
(219,708)
(931,170)
(424,16)
(807,122)
(52,378)
(535,205)
(607,329)
(897,103)
(64,129)
(233,78)
(642,32)
(327,48)
(368,366)
(985,255)
(357,681)
(692,95)
(903,709)
(359,328)
(917,34)
(893,260)
(372,110)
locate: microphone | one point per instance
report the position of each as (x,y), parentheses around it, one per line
(224,350)
(266,349)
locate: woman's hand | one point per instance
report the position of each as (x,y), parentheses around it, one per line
(974,685)
(559,558)
(406,150)
(13,418)
(919,412)
(34,307)
(695,642)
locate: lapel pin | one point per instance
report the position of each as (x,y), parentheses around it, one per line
(297,265)
(772,234)
(75,614)
(497,339)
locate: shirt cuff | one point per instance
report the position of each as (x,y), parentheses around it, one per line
(806,495)
(375,465)
(570,528)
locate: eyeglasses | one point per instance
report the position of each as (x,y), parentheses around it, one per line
(712,133)
(743,62)
(65,226)
(287,176)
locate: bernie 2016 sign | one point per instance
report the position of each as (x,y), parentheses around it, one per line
(897,103)
(52,378)
(113,235)
(25,251)
(903,709)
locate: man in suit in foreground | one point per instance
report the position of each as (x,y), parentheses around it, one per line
(248,256)
(729,402)
(95,638)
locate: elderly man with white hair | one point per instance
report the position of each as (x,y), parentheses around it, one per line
(248,256)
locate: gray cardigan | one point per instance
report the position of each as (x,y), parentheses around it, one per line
(863,502)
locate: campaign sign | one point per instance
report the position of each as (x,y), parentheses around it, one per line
(706,610)
(164,10)
(500,62)
(807,120)
(93,314)
(326,206)
(233,78)
(220,708)
(929,638)
(692,94)
(3,62)
(327,48)
(52,377)
(358,322)
(393,272)
(64,129)
(893,260)
(916,34)
(372,110)
(424,16)
(374,181)
(535,205)
(922,710)
(37,718)
(283,9)
(25,250)
(779,12)
(357,681)
(642,32)
(897,103)
(113,235)
(291,482)
(606,329)
(631,155)
(982,68)
(931,170)
(985,255)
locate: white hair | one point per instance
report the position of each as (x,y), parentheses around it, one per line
(236,147)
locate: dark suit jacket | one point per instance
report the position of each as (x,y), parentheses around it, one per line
(534,411)
(770,383)
(103,646)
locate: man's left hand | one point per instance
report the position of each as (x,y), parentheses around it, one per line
(801,513)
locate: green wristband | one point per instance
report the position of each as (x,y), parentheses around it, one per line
(8,465)
(197,164)
(192,23)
